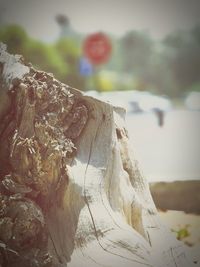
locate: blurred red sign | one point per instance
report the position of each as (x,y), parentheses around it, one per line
(97,48)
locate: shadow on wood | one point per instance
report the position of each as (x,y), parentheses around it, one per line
(68,156)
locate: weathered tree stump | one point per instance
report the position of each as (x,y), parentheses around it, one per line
(71,192)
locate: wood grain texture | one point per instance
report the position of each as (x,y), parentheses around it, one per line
(68,156)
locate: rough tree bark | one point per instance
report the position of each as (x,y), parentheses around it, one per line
(71,192)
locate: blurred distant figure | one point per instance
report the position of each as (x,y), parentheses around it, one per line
(160,114)
(62,20)
(64,23)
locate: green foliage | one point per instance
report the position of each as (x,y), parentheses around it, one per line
(69,50)
(45,57)
(61,58)
(194,87)
(182,232)
(15,38)
(182,50)
(136,48)
(170,66)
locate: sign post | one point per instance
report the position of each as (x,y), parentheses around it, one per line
(85,67)
(97,48)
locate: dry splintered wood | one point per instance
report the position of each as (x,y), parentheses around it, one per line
(71,193)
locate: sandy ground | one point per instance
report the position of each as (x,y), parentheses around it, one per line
(167,153)
(177,220)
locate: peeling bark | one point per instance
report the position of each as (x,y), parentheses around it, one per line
(71,192)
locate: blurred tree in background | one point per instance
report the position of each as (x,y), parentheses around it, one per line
(182,54)
(136,48)
(45,57)
(170,66)
(15,38)
(69,50)
(61,58)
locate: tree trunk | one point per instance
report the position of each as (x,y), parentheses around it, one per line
(71,192)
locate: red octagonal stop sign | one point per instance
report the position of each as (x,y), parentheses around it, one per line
(97,48)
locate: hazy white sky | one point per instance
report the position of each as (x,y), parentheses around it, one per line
(158,17)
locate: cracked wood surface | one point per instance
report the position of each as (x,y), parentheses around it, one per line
(105,215)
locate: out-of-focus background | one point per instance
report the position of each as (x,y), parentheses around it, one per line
(143,55)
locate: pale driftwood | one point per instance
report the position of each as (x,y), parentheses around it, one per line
(104,214)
